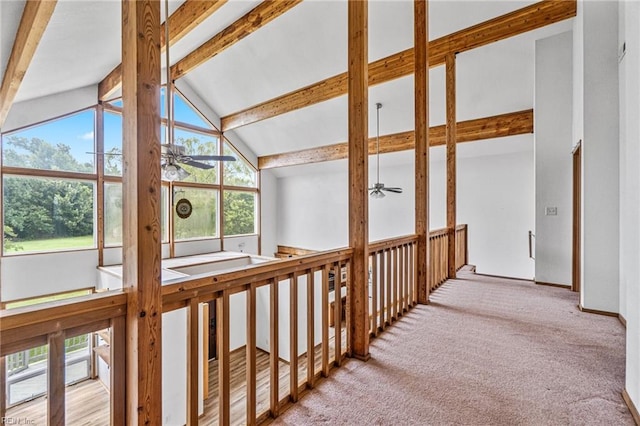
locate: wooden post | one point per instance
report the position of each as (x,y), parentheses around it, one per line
(358,181)
(311,285)
(251,370)
(293,338)
(450,62)
(192,362)
(55,383)
(421,82)
(274,360)
(117,372)
(3,387)
(224,368)
(141,200)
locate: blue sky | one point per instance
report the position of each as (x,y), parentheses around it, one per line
(77,130)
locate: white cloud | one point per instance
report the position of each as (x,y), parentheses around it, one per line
(87,136)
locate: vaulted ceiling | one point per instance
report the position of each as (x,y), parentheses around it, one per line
(306,44)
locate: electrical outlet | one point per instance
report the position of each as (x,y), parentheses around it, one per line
(551,211)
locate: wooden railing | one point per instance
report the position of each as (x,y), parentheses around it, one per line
(392,262)
(52,323)
(393,286)
(294,294)
(305,276)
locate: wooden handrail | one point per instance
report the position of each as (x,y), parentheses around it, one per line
(204,286)
(24,326)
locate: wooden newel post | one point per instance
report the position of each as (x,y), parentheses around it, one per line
(450,63)
(141,212)
(358,180)
(421,82)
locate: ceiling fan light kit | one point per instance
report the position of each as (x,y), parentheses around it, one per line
(378,187)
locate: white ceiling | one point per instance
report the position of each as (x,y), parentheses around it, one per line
(308,43)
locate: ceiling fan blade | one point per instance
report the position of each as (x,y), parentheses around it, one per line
(212,157)
(197,164)
(396,190)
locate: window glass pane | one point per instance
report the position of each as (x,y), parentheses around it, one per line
(113,214)
(202,223)
(198,144)
(44,214)
(182,111)
(239,213)
(238,173)
(65,144)
(112,144)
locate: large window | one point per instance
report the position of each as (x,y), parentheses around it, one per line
(239,212)
(203,220)
(51,199)
(62,145)
(47,205)
(44,214)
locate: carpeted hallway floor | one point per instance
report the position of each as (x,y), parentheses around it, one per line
(487,351)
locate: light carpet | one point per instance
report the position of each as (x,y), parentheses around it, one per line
(486,351)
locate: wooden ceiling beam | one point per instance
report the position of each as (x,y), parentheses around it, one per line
(258,17)
(401,64)
(510,124)
(189,15)
(34,21)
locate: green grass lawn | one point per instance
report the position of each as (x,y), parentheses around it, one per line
(52,244)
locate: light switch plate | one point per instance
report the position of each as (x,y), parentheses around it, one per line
(551,211)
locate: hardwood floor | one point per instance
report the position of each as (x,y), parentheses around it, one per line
(88,401)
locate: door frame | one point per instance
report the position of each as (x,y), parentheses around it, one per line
(576,277)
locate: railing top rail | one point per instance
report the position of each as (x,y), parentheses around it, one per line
(391,242)
(27,327)
(461,227)
(59,309)
(182,289)
(438,232)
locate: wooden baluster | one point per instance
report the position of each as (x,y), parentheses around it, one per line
(251,370)
(407,300)
(224,372)
(374,293)
(192,362)
(293,338)
(394,285)
(383,297)
(337,313)
(3,386)
(347,308)
(274,359)
(401,280)
(311,356)
(55,383)
(117,371)
(325,321)
(389,288)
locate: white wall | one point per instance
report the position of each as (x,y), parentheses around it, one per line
(597,125)
(32,275)
(553,160)
(495,197)
(45,108)
(268,213)
(630,191)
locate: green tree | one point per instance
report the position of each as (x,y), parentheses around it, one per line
(239,213)
(41,208)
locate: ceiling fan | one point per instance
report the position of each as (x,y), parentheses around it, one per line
(378,187)
(172,154)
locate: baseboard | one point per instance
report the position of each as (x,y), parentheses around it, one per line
(632,407)
(505,278)
(622,320)
(568,287)
(597,312)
